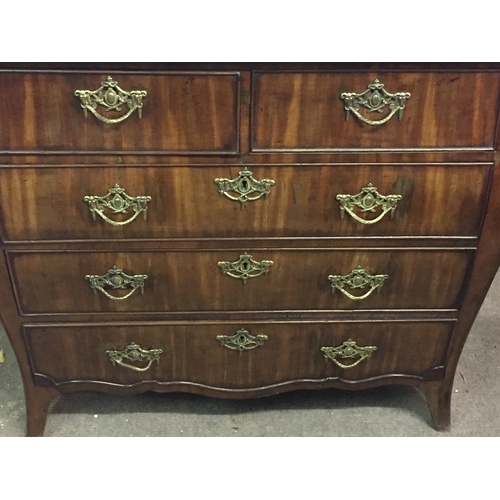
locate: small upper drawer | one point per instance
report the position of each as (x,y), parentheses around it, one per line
(163,113)
(306,111)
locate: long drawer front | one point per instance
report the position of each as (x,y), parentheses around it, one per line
(234,356)
(194,112)
(222,280)
(231,202)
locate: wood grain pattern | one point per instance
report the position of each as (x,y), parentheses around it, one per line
(485,268)
(284,122)
(438,200)
(195,113)
(352,156)
(304,111)
(193,355)
(191,281)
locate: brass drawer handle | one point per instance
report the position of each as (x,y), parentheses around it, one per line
(348,349)
(245,267)
(241,341)
(368,199)
(245,187)
(357,278)
(118,201)
(375,98)
(112,97)
(134,353)
(116,279)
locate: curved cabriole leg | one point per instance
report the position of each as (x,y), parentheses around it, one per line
(38,400)
(438,394)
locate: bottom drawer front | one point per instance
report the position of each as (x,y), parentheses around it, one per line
(269,353)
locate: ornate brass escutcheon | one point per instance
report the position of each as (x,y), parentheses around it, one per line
(245,267)
(116,279)
(134,353)
(348,349)
(375,98)
(244,187)
(118,201)
(112,97)
(368,200)
(241,341)
(357,278)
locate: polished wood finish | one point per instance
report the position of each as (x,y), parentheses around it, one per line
(54,282)
(438,394)
(192,354)
(437,200)
(284,122)
(304,111)
(186,112)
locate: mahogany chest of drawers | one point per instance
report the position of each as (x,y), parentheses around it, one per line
(240,230)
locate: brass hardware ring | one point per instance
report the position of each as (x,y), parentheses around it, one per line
(375,98)
(357,278)
(112,97)
(348,349)
(116,279)
(367,200)
(118,201)
(134,352)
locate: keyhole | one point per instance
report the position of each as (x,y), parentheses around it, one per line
(244,186)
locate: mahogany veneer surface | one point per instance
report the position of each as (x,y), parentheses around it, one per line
(192,354)
(439,246)
(304,111)
(437,200)
(187,112)
(54,282)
